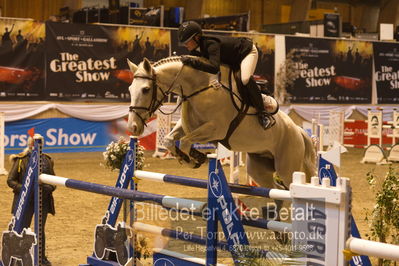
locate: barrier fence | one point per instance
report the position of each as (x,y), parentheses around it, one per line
(328,206)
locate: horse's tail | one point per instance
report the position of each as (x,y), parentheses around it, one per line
(310,156)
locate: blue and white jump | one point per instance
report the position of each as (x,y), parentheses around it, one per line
(330,208)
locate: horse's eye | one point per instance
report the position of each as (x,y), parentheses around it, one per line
(146,90)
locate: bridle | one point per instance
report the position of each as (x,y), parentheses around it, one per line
(155,103)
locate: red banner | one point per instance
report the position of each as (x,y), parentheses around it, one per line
(355,134)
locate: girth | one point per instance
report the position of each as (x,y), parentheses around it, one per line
(242,110)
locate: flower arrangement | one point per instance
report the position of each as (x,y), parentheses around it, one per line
(384,217)
(116,151)
(286,76)
(141,250)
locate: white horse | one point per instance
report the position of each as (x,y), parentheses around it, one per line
(207,114)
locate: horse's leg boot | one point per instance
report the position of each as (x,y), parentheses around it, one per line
(185,158)
(198,156)
(182,155)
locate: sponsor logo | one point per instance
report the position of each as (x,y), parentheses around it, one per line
(25,188)
(163,262)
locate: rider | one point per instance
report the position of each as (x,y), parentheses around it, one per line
(237,53)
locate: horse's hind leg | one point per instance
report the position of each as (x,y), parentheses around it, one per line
(287,162)
(261,169)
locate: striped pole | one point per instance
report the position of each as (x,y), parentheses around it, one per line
(164,201)
(189,237)
(373,248)
(202,183)
(185,236)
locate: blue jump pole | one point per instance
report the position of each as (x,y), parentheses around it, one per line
(162,200)
(201,183)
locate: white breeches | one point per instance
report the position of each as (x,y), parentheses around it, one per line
(248,65)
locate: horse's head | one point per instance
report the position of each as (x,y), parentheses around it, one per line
(144,96)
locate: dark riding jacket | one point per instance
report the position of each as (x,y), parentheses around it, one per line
(220,50)
(16,178)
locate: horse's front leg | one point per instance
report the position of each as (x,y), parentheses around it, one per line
(170,139)
(170,143)
(203,134)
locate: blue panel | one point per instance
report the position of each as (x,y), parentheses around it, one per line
(27,189)
(94,261)
(60,135)
(326,169)
(165,260)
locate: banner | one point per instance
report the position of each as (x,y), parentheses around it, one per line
(329,71)
(88,62)
(21,60)
(146,16)
(238,22)
(60,135)
(386,63)
(264,72)
(358,134)
(332,25)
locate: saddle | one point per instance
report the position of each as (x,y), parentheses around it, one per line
(250,93)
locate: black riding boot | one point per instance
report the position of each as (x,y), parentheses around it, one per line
(265,119)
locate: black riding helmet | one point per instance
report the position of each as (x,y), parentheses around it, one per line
(188,30)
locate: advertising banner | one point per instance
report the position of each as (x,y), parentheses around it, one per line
(146,16)
(332,25)
(60,135)
(358,134)
(21,60)
(88,62)
(238,22)
(329,71)
(386,62)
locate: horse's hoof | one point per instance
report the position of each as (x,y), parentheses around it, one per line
(198,156)
(197,165)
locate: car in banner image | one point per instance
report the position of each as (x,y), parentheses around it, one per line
(19,76)
(124,75)
(350,83)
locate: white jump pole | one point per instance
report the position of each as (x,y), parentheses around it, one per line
(372,248)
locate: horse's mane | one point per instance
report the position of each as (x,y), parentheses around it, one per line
(169,59)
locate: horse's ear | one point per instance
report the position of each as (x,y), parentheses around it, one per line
(147,65)
(132,66)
